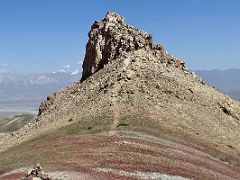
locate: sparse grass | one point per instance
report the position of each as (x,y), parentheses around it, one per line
(122,124)
(140,124)
(39,149)
(225,159)
(230,146)
(88,126)
(67,146)
(46,148)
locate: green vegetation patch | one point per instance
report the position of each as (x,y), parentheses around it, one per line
(48,148)
(51,148)
(29,153)
(140,124)
(88,126)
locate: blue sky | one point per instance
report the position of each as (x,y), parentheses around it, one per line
(45,35)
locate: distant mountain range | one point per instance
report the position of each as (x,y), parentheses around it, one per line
(227,81)
(24,92)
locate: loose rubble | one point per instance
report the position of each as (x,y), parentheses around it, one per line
(36,173)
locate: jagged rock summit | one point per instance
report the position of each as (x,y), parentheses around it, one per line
(111,37)
(111,40)
(143,110)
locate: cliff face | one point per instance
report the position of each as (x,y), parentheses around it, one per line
(111,37)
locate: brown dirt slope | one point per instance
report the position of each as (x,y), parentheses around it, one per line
(151,98)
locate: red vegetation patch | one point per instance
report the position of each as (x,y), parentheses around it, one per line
(89,152)
(86,153)
(14,176)
(1,171)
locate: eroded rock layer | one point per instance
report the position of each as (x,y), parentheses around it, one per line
(112,37)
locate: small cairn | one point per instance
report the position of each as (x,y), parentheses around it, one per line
(36,173)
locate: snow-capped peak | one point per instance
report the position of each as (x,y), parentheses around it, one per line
(59,71)
(77,71)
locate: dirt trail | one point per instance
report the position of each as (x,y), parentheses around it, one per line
(116,112)
(116,119)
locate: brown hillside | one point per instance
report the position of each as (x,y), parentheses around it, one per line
(134,93)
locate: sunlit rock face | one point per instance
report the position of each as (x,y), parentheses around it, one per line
(110,38)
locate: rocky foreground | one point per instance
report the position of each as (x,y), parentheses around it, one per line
(137,112)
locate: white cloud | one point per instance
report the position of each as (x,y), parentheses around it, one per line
(80,62)
(62,71)
(77,71)
(67,66)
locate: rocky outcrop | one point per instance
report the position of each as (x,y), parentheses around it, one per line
(125,74)
(46,104)
(112,37)
(36,173)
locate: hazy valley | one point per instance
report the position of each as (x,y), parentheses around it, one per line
(22,93)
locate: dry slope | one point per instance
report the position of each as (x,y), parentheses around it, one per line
(127,79)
